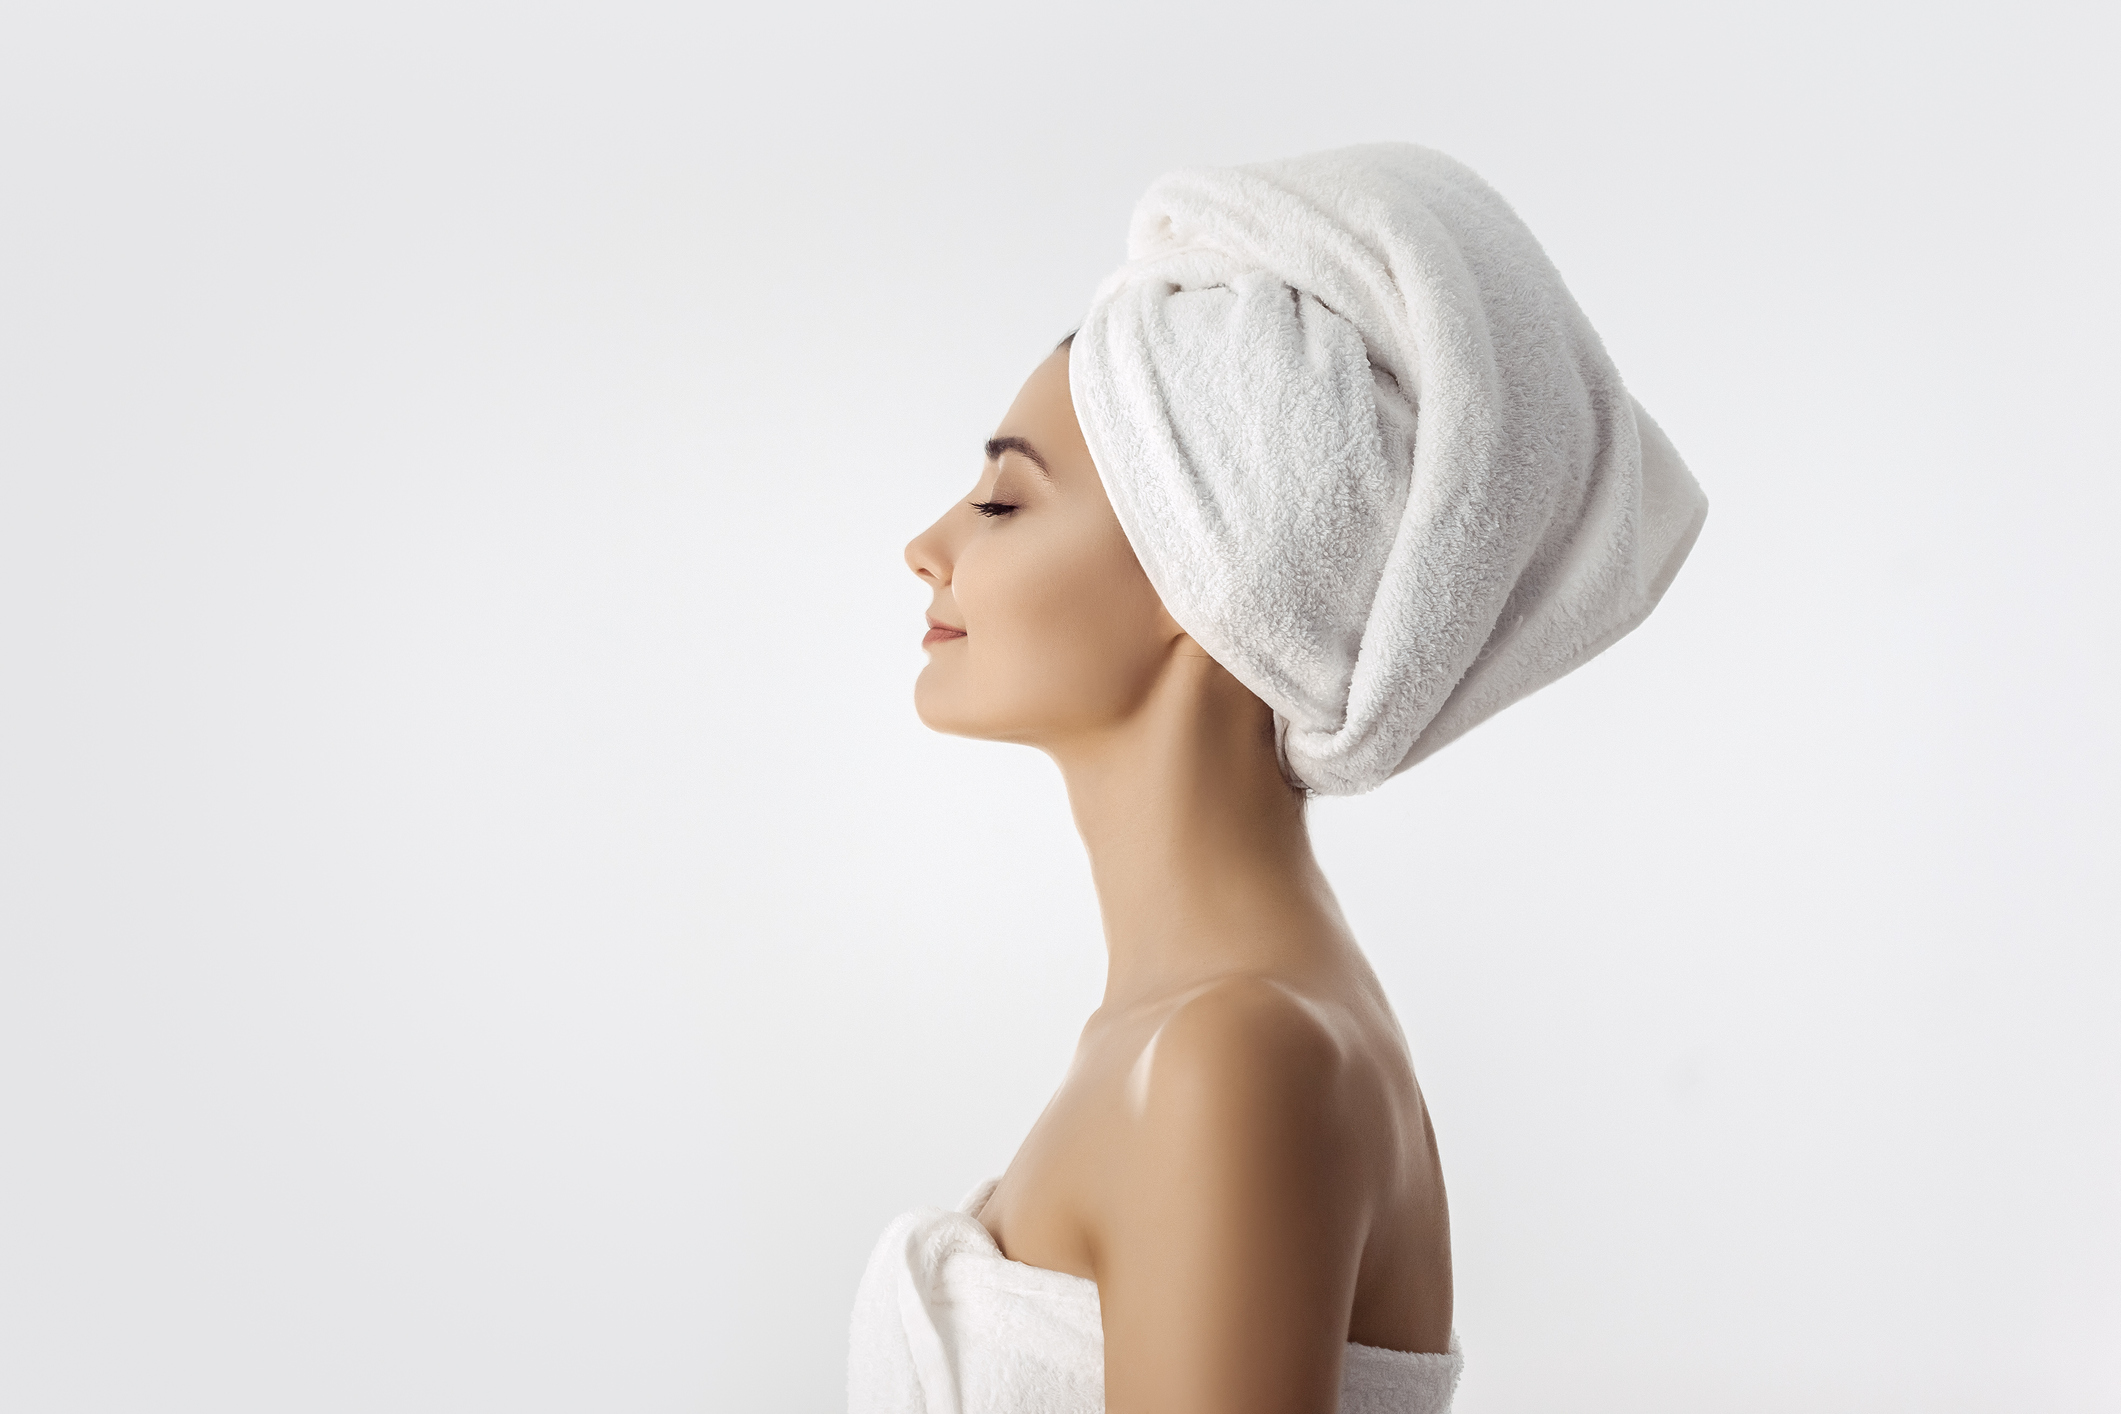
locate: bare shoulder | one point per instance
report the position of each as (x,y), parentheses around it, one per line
(1242,1074)
(1246,1037)
(1231,1225)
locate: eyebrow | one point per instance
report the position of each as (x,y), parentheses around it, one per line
(997,445)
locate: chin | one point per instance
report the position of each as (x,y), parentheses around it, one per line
(953,723)
(936,709)
(948,712)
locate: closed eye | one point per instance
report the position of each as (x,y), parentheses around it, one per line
(993,508)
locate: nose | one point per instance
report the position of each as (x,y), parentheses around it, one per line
(926,556)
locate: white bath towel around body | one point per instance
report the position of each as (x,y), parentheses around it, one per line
(945,1324)
(1369,451)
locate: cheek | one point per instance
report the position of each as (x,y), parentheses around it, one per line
(1065,630)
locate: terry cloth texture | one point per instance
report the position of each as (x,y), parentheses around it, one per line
(945,1324)
(1369,451)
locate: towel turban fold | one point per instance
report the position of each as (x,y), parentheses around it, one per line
(1369,451)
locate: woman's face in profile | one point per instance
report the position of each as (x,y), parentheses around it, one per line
(1043,623)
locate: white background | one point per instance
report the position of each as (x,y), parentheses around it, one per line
(482,929)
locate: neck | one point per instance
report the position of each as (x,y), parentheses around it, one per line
(1197,844)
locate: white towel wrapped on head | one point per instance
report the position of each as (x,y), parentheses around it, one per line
(1369,451)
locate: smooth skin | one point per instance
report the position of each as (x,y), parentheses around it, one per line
(1239,1155)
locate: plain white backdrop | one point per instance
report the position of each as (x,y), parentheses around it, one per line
(482,929)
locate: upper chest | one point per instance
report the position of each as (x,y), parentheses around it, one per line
(1043,1210)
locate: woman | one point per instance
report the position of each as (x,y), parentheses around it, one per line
(1333,470)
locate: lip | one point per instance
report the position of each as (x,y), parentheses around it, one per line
(940,632)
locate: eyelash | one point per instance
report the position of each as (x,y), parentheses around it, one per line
(992,508)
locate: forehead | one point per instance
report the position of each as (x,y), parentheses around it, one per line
(1046,390)
(1044,416)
